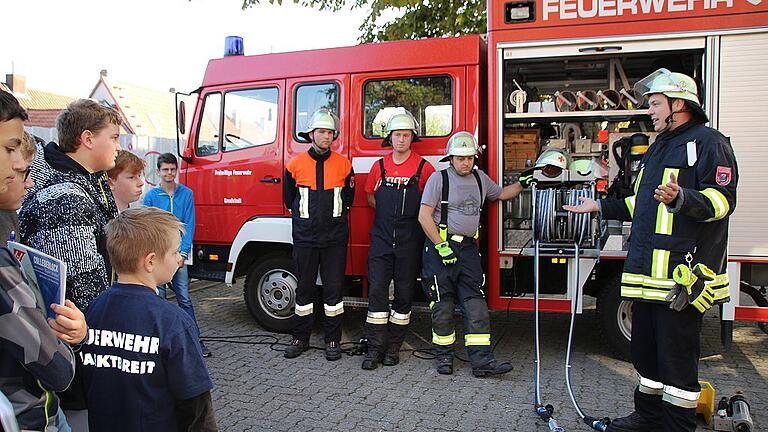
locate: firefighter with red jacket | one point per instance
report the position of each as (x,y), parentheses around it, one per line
(394,189)
(676,264)
(318,189)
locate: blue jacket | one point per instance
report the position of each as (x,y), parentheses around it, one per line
(703,162)
(182,205)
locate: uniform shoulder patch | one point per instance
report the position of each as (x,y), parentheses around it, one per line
(723,176)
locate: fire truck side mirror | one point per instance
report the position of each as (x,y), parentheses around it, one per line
(180,118)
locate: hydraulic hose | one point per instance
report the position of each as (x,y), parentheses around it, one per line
(581,233)
(544,412)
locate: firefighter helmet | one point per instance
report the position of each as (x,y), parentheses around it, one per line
(552,162)
(321,119)
(401,121)
(461,144)
(673,85)
(588,167)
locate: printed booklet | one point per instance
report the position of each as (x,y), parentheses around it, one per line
(44,272)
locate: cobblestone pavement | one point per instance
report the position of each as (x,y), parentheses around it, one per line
(257,389)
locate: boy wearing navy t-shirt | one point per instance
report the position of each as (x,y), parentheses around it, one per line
(143,368)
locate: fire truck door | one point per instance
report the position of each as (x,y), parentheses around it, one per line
(237,168)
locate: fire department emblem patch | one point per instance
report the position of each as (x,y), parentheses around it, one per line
(723,176)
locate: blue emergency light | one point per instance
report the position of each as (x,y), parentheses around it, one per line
(233,46)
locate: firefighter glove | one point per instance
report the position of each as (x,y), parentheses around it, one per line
(446,253)
(526,178)
(702,297)
(678,296)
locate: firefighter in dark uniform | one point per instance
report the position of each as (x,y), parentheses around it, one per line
(452,272)
(676,264)
(318,189)
(394,189)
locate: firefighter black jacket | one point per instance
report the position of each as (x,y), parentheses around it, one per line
(319,189)
(696,222)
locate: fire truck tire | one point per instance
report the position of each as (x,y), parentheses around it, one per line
(615,318)
(270,292)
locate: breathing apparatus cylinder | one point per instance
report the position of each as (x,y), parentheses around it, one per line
(636,153)
(628,153)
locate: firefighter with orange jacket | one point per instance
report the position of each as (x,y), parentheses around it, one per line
(394,189)
(676,264)
(318,189)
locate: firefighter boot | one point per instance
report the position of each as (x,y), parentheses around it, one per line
(444,364)
(631,423)
(650,420)
(392,355)
(492,368)
(295,348)
(371,360)
(332,351)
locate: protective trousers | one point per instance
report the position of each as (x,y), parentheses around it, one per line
(396,239)
(665,352)
(385,326)
(331,261)
(458,283)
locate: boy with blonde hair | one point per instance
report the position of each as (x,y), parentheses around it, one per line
(143,368)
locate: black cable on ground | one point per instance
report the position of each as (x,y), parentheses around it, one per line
(356,348)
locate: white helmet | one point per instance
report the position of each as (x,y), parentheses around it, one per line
(673,85)
(552,161)
(401,121)
(461,144)
(321,119)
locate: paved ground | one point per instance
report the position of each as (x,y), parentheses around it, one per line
(257,389)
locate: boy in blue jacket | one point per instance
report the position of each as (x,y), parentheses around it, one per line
(178,199)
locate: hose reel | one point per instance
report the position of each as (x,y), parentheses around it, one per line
(553,225)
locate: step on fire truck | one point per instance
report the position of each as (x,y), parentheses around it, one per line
(555,73)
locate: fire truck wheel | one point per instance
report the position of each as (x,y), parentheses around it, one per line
(615,316)
(270,292)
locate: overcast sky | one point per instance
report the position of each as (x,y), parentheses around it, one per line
(60,46)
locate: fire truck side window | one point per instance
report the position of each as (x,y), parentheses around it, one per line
(208,132)
(250,118)
(428,98)
(310,98)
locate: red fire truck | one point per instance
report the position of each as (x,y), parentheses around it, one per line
(550,72)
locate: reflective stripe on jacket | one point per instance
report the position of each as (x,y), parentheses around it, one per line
(702,160)
(319,190)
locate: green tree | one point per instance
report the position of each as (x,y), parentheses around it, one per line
(416,18)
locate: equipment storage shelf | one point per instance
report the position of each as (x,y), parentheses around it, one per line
(582,116)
